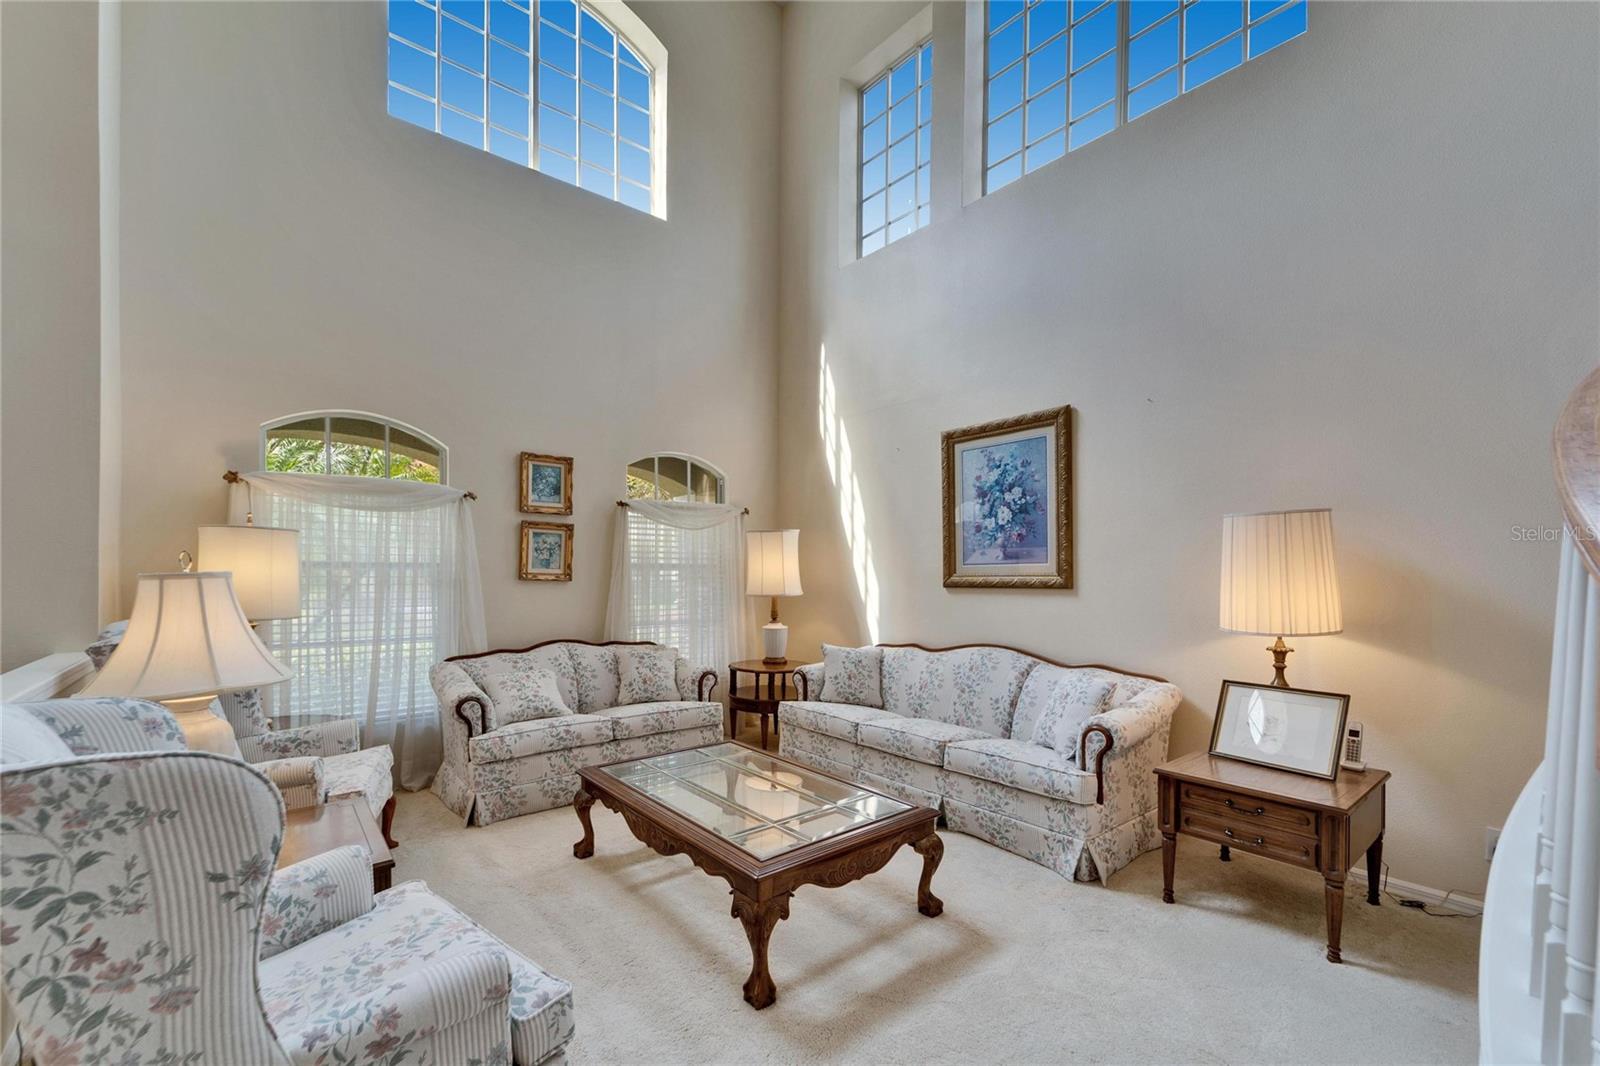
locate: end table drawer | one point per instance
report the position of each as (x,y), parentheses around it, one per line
(1228,805)
(1254,837)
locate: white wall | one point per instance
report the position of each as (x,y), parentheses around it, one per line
(286,246)
(1359,272)
(50,338)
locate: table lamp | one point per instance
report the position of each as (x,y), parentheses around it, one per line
(265,563)
(1278,578)
(187,640)
(773,569)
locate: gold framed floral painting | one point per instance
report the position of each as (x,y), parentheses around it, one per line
(545,553)
(1007,490)
(545,484)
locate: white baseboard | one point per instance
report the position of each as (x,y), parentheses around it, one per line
(1433,897)
(46,678)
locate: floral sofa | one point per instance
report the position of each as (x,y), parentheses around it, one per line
(953,729)
(494,770)
(144,922)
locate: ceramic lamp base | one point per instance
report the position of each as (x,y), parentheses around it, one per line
(775,642)
(204,730)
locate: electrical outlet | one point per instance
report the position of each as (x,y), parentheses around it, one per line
(1491,840)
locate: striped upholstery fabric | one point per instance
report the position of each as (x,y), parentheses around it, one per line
(299,781)
(143,922)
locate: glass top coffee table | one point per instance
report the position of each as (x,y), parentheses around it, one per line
(764,824)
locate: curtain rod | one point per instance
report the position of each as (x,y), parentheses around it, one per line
(232,476)
(625,503)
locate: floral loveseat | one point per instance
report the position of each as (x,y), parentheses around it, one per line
(494,770)
(953,729)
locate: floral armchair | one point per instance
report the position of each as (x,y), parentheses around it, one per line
(143,922)
(345,769)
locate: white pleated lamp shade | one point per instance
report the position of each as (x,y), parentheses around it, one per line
(772,562)
(1278,574)
(264,562)
(187,636)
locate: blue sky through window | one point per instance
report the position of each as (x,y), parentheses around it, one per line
(550,86)
(897,150)
(1052,66)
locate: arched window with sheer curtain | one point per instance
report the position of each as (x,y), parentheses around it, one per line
(677,574)
(389,581)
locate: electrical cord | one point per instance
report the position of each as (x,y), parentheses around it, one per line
(1421,905)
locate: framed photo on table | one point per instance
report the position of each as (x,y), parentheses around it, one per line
(1292,729)
(1008,503)
(545,553)
(545,484)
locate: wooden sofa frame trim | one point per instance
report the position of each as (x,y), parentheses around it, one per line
(705,684)
(1083,748)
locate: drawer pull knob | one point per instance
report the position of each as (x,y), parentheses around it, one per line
(1234,806)
(1258,842)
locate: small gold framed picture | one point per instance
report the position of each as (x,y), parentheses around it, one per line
(546,552)
(545,484)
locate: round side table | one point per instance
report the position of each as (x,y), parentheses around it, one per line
(756,697)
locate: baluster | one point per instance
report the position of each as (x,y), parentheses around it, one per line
(1554,952)
(1577,1007)
(1544,854)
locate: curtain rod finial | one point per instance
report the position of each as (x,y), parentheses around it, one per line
(231,477)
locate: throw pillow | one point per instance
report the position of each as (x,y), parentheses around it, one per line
(1075,700)
(647,673)
(852,675)
(522,695)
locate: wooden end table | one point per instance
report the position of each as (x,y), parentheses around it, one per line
(313,830)
(1302,821)
(751,700)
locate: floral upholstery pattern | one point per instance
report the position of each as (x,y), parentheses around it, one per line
(1071,704)
(688,677)
(900,790)
(842,720)
(105,643)
(95,725)
(324,738)
(852,675)
(1047,677)
(643,719)
(244,711)
(522,695)
(557,658)
(132,917)
(919,739)
(299,781)
(646,674)
(1064,854)
(539,735)
(368,773)
(827,753)
(809,679)
(314,895)
(972,687)
(99,965)
(596,677)
(1030,767)
(883,766)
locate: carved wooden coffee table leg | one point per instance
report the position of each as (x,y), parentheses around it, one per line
(931,848)
(581,802)
(759,919)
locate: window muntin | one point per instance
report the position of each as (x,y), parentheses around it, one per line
(1060,74)
(896,150)
(675,477)
(553,86)
(352,444)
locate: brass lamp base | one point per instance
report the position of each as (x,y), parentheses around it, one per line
(1280,662)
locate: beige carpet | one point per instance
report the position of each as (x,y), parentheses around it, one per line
(1022,967)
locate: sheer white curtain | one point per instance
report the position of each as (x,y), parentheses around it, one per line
(677,578)
(389,585)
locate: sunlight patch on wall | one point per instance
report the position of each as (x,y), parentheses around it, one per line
(847,487)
